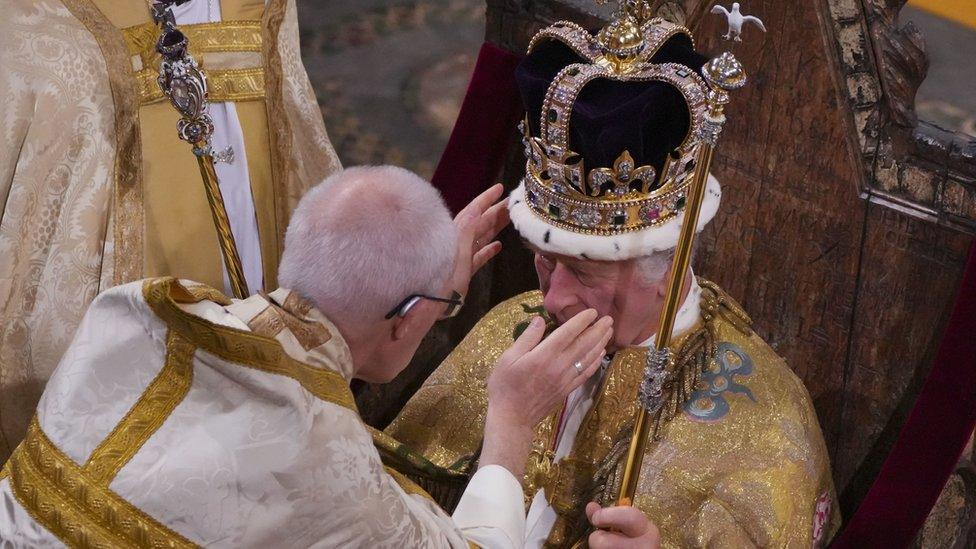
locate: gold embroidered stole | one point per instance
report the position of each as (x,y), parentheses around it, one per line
(568,482)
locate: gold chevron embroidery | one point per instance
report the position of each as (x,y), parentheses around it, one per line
(157,402)
(79,510)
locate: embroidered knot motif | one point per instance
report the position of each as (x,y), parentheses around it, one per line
(708,403)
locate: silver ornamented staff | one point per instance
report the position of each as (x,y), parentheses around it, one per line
(723,74)
(185,84)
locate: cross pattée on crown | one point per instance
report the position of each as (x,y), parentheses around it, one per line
(638,9)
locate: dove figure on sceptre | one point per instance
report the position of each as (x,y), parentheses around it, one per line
(736,20)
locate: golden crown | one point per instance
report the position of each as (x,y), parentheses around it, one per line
(609,200)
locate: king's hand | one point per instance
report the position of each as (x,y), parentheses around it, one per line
(621,527)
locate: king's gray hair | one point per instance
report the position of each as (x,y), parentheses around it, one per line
(655,266)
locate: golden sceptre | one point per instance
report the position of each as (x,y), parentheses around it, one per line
(185,84)
(723,74)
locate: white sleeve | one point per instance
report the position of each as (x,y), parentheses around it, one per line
(491,512)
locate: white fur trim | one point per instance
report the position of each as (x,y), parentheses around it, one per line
(554,239)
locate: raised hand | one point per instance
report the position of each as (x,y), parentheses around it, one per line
(533,377)
(478,224)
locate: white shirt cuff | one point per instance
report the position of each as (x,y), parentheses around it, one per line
(491,512)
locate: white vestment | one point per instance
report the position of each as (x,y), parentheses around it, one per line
(177,420)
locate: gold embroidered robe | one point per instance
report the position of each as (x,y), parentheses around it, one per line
(95,187)
(742,463)
(179,418)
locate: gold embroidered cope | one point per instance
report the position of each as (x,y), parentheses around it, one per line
(738,457)
(75,503)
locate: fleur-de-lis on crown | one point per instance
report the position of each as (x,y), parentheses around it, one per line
(621,176)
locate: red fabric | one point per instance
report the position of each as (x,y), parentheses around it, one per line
(932,440)
(483,131)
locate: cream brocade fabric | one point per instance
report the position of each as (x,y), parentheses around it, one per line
(163,429)
(742,464)
(57,166)
(72,178)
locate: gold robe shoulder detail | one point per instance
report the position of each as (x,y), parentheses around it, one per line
(742,462)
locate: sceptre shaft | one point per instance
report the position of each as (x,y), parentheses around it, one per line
(185,84)
(723,74)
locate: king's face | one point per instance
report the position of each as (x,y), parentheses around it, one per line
(616,288)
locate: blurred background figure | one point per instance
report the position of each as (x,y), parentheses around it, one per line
(96,188)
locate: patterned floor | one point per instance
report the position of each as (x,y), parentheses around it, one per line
(390,76)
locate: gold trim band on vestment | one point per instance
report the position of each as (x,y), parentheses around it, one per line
(280,133)
(81,512)
(196,293)
(242,347)
(243,35)
(222,84)
(147,415)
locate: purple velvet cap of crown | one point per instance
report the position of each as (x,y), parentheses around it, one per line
(649,119)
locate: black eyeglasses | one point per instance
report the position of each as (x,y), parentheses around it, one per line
(454,304)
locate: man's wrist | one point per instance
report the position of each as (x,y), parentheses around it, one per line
(509,419)
(507,440)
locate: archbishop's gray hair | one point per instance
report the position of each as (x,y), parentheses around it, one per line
(366,238)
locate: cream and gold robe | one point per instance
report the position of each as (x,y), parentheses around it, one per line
(741,463)
(178,418)
(95,187)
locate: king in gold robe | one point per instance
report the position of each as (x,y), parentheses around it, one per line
(96,189)
(615,122)
(742,462)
